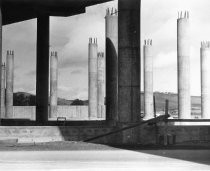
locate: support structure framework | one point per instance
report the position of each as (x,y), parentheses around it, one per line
(183,58)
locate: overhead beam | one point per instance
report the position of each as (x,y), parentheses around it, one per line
(20,10)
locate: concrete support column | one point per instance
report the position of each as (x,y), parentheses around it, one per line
(9,83)
(42,69)
(111,22)
(148,80)
(3,91)
(205,80)
(183,58)
(53,84)
(129,61)
(92,75)
(0,50)
(101,86)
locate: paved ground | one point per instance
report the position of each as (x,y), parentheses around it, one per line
(98,157)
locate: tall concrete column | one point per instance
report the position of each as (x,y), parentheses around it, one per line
(9,83)
(129,61)
(205,80)
(53,84)
(111,24)
(3,91)
(183,58)
(92,75)
(101,87)
(148,80)
(0,47)
(42,69)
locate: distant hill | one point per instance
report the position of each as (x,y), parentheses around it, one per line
(27,99)
(23,99)
(160,99)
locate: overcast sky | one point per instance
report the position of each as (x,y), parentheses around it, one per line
(69,36)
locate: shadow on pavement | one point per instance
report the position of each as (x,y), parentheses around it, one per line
(197,154)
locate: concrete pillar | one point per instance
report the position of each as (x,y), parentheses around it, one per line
(129,61)
(101,86)
(42,69)
(0,49)
(148,80)
(183,58)
(3,91)
(53,84)
(9,83)
(92,75)
(111,24)
(205,80)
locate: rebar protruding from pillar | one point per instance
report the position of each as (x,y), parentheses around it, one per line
(148,80)
(183,59)
(93,41)
(92,78)
(2,91)
(148,42)
(205,79)
(183,15)
(112,11)
(53,84)
(9,84)
(101,85)
(205,44)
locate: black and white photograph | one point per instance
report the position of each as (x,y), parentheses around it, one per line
(104,85)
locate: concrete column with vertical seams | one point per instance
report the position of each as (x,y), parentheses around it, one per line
(3,91)
(205,80)
(53,84)
(148,80)
(101,87)
(183,58)
(111,29)
(129,61)
(9,84)
(92,77)
(0,49)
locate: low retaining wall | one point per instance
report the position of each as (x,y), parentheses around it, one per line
(70,112)
(26,112)
(30,134)
(147,135)
(174,135)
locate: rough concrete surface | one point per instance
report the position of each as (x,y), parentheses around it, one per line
(183,67)
(100,157)
(70,112)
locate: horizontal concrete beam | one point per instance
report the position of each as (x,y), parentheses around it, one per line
(20,10)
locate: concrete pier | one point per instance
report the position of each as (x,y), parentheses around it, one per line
(9,84)
(92,77)
(129,61)
(101,86)
(148,80)
(53,84)
(111,29)
(205,79)
(42,69)
(2,91)
(183,58)
(0,49)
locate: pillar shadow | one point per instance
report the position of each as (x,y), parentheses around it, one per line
(111,79)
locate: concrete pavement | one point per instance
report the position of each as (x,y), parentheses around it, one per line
(106,160)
